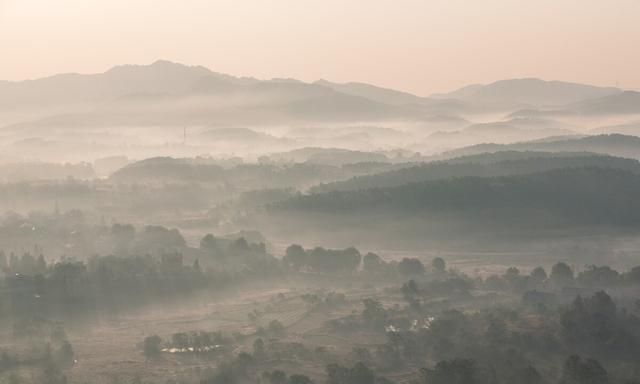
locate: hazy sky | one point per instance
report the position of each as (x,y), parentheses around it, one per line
(422,46)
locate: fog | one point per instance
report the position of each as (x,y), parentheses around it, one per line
(163,221)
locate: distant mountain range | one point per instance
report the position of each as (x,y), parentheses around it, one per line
(502,132)
(166,93)
(532,92)
(613,144)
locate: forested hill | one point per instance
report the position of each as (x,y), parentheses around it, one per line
(584,196)
(241,175)
(613,144)
(485,165)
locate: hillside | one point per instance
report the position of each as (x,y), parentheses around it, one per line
(381,95)
(557,197)
(613,144)
(533,92)
(485,165)
(239,176)
(627,102)
(196,95)
(331,156)
(499,132)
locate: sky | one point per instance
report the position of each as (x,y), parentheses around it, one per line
(420,46)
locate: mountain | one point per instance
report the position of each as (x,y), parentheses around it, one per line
(484,165)
(166,93)
(161,77)
(328,156)
(245,135)
(630,129)
(231,179)
(614,145)
(239,140)
(528,92)
(627,102)
(372,92)
(500,132)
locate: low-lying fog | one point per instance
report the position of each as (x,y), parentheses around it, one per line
(165,223)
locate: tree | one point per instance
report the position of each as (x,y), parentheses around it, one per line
(4,264)
(438,265)
(561,274)
(410,267)
(633,276)
(159,237)
(209,243)
(599,276)
(538,275)
(122,235)
(295,256)
(334,261)
(496,332)
(410,292)
(276,328)
(578,371)
(511,273)
(299,379)
(361,354)
(358,374)
(361,374)
(276,377)
(258,348)
(373,311)
(180,340)
(41,265)
(52,374)
(225,374)
(592,323)
(196,267)
(64,354)
(372,263)
(337,374)
(151,346)
(457,371)
(528,375)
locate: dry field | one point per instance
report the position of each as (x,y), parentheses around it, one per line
(111,352)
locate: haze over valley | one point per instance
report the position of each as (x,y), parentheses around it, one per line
(217,192)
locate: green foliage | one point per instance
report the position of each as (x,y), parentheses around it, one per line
(358,374)
(578,371)
(553,198)
(457,371)
(373,313)
(411,267)
(323,260)
(561,274)
(438,264)
(259,349)
(152,346)
(484,165)
(276,328)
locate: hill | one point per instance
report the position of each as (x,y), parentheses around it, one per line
(614,145)
(558,197)
(627,102)
(239,177)
(165,93)
(330,156)
(499,132)
(484,165)
(529,91)
(372,92)
(629,129)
